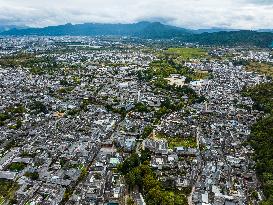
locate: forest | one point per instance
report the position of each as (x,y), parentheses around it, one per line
(261,138)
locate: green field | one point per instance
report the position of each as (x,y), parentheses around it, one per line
(261,68)
(187,53)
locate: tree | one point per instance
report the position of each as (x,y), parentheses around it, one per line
(18,124)
(150,182)
(145,155)
(83,174)
(162,111)
(141,107)
(64,82)
(129,163)
(154,196)
(39,107)
(32,175)
(130,201)
(147,131)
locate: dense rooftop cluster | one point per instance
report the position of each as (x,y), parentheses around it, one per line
(81,119)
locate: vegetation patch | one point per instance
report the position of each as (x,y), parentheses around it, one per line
(12,113)
(37,65)
(261,138)
(38,107)
(27,154)
(262,95)
(139,175)
(141,107)
(11,144)
(32,175)
(187,53)
(147,131)
(7,189)
(177,141)
(172,62)
(16,166)
(261,68)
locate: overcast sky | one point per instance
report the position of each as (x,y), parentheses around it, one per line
(244,14)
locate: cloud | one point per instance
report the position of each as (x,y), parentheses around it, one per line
(244,14)
(260,2)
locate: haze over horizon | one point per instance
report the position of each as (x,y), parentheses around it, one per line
(193,14)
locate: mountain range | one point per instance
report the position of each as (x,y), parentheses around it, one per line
(154,30)
(4,27)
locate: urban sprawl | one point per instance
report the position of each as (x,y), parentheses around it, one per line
(104,120)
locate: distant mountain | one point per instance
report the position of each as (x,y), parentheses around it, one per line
(234,38)
(141,29)
(155,30)
(212,30)
(266,30)
(4,27)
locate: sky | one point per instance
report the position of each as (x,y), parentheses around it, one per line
(194,14)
